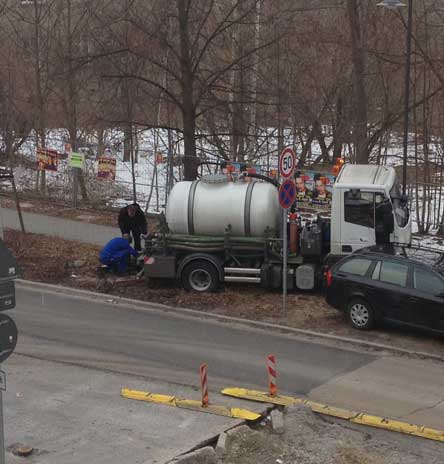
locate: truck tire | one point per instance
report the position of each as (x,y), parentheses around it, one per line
(360,314)
(200,276)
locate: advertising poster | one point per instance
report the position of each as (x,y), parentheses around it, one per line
(107,168)
(313,189)
(77,160)
(47,159)
(253,169)
(159,158)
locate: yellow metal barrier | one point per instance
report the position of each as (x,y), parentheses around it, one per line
(235,413)
(352,416)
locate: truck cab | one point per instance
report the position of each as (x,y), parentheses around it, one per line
(364,196)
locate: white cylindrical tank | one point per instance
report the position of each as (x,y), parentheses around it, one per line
(209,206)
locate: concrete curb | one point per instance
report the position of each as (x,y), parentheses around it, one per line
(204,455)
(221,445)
(185,312)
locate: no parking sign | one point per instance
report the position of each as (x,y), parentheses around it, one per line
(287,193)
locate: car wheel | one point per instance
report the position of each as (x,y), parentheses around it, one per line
(200,276)
(360,314)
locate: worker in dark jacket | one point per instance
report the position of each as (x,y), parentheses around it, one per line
(132,220)
(116,254)
(385,223)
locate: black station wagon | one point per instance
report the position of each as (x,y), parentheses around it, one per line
(397,284)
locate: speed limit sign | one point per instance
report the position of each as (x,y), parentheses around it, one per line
(287,162)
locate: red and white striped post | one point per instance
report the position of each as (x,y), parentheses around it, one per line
(272,374)
(204,384)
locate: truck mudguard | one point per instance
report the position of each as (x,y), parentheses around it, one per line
(205,257)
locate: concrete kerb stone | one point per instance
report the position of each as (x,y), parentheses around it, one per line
(221,445)
(139,305)
(277,421)
(205,455)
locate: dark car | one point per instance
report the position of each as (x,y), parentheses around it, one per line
(396,284)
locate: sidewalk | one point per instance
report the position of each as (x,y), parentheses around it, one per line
(64,228)
(72,414)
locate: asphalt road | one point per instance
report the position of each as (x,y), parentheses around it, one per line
(170,347)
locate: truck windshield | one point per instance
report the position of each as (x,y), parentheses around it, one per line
(400,206)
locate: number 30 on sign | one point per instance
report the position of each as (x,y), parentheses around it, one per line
(287,162)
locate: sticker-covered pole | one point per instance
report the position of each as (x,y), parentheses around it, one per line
(287,195)
(284,264)
(2,432)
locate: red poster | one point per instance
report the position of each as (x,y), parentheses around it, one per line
(107,168)
(47,159)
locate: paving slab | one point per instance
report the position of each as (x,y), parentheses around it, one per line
(402,388)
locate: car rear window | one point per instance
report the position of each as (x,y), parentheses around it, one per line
(356,266)
(394,273)
(427,282)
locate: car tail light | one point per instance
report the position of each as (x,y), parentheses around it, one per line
(329,278)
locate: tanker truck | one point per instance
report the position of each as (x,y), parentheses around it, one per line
(217,230)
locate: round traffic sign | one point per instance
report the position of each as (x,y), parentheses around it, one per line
(287,162)
(287,193)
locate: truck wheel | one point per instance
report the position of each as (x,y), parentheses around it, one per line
(200,276)
(360,314)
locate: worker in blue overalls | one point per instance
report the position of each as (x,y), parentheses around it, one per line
(116,254)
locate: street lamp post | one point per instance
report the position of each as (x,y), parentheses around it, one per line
(393,4)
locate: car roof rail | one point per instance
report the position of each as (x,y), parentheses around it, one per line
(419,247)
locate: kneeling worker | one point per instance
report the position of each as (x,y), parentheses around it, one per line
(116,253)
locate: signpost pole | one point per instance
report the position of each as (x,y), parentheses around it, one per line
(284,266)
(1,224)
(2,431)
(75,186)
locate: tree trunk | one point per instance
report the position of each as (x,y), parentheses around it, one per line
(338,130)
(187,81)
(359,75)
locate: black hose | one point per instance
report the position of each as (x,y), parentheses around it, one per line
(261,177)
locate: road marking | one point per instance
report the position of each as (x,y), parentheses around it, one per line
(352,416)
(236,413)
